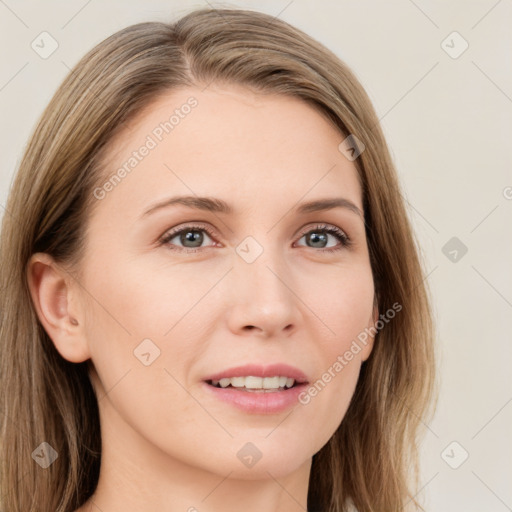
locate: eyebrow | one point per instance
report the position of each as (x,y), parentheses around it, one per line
(212,204)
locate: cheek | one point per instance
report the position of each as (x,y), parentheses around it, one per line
(325,402)
(150,299)
(345,306)
(139,300)
(342,300)
(136,318)
(142,372)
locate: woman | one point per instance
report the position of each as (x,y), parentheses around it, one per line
(211,294)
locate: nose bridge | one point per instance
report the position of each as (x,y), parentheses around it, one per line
(262,290)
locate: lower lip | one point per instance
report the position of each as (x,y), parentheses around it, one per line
(272,402)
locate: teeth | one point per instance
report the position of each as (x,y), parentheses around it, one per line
(236,382)
(251,382)
(224,383)
(271,383)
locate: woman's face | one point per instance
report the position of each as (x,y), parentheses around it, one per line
(262,284)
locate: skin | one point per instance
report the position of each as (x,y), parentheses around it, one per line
(167,444)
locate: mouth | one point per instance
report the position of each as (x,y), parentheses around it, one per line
(252,384)
(258,389)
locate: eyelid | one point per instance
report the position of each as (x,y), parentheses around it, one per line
(321,226)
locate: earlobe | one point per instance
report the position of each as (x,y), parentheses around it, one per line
(52,294)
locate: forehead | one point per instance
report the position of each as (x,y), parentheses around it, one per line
(229,142)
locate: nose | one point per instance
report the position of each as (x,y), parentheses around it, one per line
(262,298)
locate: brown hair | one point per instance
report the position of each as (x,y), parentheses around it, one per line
(370,457)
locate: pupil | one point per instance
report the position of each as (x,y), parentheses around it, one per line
(316,238)
(195,237)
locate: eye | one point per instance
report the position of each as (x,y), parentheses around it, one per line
(319,237)
(191,237)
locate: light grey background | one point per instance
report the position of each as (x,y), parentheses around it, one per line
(448,123)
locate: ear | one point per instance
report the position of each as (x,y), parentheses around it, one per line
(371,330)
(56,302)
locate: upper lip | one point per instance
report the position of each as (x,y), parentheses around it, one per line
(255,370)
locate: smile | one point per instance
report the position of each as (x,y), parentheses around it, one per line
(255,384)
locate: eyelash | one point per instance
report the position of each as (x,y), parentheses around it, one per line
(345,241)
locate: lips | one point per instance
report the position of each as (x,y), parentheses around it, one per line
(272,370)
(257,401)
